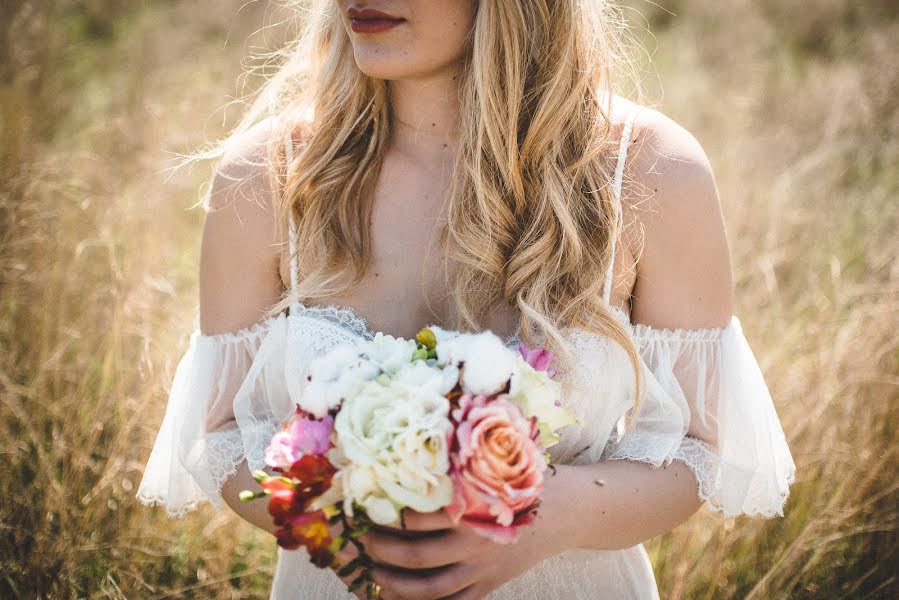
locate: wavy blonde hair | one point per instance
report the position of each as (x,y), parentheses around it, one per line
(531,215)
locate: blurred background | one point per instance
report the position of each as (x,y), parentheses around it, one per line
(795,102)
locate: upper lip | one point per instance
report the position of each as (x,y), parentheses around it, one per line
(370,14)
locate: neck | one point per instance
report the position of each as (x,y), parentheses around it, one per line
(425,112)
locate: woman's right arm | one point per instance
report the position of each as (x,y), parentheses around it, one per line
(239,271)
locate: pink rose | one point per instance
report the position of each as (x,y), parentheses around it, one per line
(497,469)
(301,437)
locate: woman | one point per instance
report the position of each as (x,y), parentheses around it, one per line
(462,163)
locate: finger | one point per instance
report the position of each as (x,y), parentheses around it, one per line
(423,553)
(471,592)
(412,520)
(424,585)
(348,553)
(404,533)
(345,557)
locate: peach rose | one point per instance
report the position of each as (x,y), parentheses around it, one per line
(497,468)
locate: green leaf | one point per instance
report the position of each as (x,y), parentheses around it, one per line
(249,495)
(362,578)
(337,544)
(348,568)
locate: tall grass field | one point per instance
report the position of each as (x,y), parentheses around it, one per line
(795,102)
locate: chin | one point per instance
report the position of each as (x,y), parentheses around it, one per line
(382,63)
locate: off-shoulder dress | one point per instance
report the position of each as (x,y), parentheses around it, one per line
(706,403)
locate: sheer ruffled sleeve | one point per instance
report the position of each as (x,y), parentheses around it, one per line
(226,399)
(707,404)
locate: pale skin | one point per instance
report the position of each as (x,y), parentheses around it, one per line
(682,279)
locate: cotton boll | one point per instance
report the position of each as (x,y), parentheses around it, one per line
(330,366)
(487,363)
(418,374)
(389,353)
(422,375)
(333,377)
(451,350)
(319,397)
(449,377)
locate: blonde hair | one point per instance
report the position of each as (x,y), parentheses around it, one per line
(531,215)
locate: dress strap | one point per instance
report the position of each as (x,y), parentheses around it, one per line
(616,190)
(292,234)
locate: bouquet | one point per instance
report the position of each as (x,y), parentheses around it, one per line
(449,420)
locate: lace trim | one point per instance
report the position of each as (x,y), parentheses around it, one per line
(348,318)
(156,500)
(255,440)
(343,316)
(642,448)
(704,462)
(223,453)
(252,332)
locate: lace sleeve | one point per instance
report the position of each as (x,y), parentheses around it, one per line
(707,404)
(227,397)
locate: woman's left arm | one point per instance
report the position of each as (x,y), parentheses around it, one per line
(610,505)
(683,280)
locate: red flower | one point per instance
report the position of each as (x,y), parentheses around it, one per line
(312,475)
(309,530)
(284,501)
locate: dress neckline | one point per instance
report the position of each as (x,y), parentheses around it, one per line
(348,318)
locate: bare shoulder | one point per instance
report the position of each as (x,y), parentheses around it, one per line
(684,276)
(241,244)
(243,174)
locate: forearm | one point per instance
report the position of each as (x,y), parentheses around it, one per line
(255,512)
(618,503)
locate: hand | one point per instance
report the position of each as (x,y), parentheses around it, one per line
(344,557)
(432,558)
(350,552)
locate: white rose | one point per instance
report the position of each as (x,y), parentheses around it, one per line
(360,423)
(393,438)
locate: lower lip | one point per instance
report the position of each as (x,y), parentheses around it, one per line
(373,25)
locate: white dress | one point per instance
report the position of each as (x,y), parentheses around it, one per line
(706,403)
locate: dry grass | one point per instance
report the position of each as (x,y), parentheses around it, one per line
(796,106)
